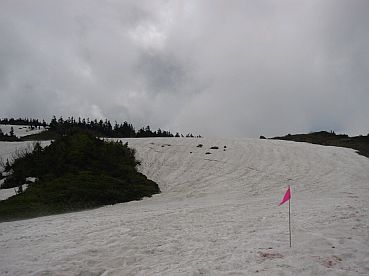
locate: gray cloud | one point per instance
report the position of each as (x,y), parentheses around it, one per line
(219,68)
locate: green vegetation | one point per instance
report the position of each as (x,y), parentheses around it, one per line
(23,122)
(98,128)
(77,171)
(359,143)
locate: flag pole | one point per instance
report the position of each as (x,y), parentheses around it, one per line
(287,197)
(289,219)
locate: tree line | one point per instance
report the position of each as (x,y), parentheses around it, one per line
(23,122)
(107,129)
(104,128)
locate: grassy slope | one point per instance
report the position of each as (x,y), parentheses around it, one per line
(42,136)
(52,135)
(359,143)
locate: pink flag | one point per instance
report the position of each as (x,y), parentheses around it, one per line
(287,196)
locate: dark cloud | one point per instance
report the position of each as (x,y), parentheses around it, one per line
(219,68)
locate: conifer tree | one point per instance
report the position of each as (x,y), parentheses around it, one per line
(7,165)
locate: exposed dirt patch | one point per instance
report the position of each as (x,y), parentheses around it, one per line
(330,261)
(270,255)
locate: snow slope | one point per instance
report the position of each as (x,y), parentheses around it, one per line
(218,214)
(21,130)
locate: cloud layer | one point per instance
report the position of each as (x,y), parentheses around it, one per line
(218,68)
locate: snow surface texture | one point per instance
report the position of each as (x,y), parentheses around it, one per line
(218,214)
(20,131)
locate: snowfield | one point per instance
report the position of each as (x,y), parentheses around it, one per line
(218,214)
(20,130)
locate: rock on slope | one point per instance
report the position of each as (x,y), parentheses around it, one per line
(218,214)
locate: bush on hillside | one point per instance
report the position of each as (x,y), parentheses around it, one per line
(75,172)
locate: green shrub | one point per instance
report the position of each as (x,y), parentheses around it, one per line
(75,172)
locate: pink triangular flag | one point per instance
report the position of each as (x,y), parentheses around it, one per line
(287,196)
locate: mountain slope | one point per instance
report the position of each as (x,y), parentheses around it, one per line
(218,214)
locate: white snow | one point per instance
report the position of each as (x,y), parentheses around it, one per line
(218,214)
(21,130)
(6,193)
(31,179)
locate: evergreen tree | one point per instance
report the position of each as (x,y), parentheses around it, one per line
(53,124)
(7,166)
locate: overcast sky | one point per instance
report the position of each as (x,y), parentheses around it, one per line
(217,68)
